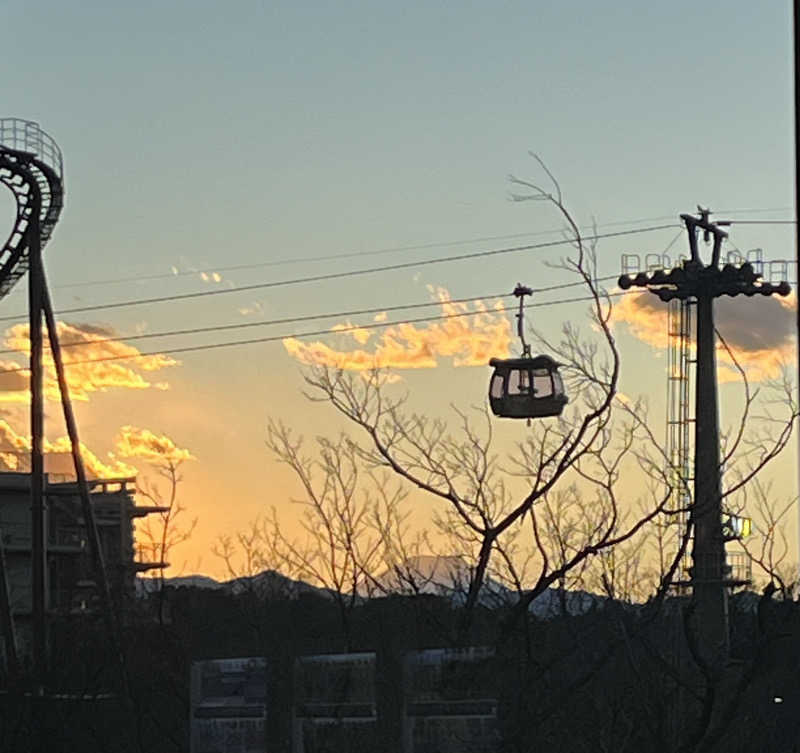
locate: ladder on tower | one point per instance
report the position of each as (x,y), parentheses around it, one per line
(679,458)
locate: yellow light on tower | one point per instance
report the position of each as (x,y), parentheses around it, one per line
(737,526)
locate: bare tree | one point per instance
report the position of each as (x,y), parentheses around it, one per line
(159,535)
(344,511)
(769,547)
(750,446)
(553,512)
(486,499)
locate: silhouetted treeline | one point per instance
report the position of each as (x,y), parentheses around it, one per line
(617,678)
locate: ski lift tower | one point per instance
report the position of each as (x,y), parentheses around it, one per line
(701,282)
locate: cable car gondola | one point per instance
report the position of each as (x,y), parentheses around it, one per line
(526,387)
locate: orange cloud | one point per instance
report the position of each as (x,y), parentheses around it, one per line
(759,330)
(471,338)
(13,383)
(130,443)
(86,371)
(15,449)
(359,334)
(11,440)
(133,442)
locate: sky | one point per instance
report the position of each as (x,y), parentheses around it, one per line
(212,146)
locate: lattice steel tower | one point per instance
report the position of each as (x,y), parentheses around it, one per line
(679,417)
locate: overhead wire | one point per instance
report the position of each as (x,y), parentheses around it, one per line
(339,314)
(346,274)
(347,255)
(311,317)
(756,222)
(389,249)
(318,333)
(351,254)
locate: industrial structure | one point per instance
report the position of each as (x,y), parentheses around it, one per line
(72,588)
(692,285)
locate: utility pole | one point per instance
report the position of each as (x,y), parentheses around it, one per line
(701,283)
(38,507)
(796,26)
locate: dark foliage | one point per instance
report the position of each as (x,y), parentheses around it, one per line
(616,678)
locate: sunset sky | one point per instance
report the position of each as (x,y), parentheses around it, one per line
(215,146)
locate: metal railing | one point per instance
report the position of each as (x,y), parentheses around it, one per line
(27,136)
(741,566)
(731,568)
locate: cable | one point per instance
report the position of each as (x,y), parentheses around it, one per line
(756,222)
(351,254)
(672,242)
(318,333)
(309,317)
(269,322)
(330,315)
(351,273)
(391,249)
(200,330)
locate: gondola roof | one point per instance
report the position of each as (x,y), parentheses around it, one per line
(526,362)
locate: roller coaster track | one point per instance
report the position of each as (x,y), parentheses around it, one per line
(32,168)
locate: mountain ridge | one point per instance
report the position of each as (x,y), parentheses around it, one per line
(435,575)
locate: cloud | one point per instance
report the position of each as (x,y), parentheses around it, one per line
(759,330)
(86,371)
(15,455)
(133,442)
(359,334)
(13,383)
(254,308)
(469,340)
(187,266)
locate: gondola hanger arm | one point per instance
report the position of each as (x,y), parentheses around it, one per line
(520,292)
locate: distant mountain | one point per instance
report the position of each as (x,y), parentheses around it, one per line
(445,576)
(449,576)
(439,575)
(554,602)
(436,575)
(271,583)
(145,585)
(265,584)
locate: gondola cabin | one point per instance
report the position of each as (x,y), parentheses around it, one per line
(526,387)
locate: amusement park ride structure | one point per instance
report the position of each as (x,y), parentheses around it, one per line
(31,167)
